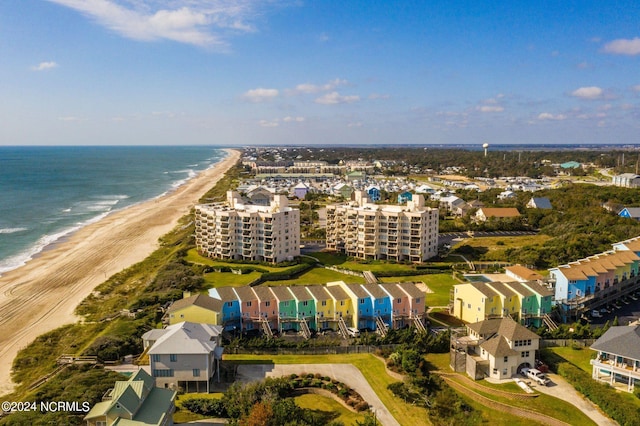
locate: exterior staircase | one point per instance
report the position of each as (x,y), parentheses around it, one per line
(419,325)
(381,328)
(342,327)
(551,325)
(304,329)
(264,325)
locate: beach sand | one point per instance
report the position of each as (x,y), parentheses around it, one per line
(43,294)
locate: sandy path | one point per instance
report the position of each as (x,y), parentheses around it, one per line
(43,294)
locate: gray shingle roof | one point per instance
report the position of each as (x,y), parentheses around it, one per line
(622,340)
(505,327)
(200,300)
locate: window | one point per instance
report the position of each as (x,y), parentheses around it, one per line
(305,303)
(362,301)
(155,358)
(229,304)
(525,354)
(173,357)
(324,303)
(468,305)
(163,373)
(196,372)
(248,303)
(267,303)
(506,359)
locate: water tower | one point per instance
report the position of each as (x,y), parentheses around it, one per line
(485,146)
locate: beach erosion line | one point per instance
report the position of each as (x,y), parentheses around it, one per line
(42,295)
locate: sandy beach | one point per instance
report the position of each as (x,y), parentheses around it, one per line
(43,294)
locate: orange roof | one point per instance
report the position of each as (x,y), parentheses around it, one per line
(500,211)
(524,272)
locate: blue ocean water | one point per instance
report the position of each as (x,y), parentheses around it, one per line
(46,193)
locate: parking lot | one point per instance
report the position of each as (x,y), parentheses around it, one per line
(626,310)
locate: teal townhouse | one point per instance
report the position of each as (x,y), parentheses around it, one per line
(287,308)
(306,306)
(596,281)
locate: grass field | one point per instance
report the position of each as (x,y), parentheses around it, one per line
(228,279)
(579,357)
(493,248)
(319,276)
(440,284)
(182,415)
(328,405)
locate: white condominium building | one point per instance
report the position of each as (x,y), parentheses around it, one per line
(239,231)
(373,231)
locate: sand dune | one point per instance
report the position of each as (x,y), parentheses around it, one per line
(43,294)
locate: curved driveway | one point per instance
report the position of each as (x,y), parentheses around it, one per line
(346,373)
(561,389)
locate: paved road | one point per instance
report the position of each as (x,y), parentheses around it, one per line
(561,389)
(346,373)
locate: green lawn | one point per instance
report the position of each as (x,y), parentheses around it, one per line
(440,284)
(194,257)
(328,405)
(228,279)
(319,276)
(579,357)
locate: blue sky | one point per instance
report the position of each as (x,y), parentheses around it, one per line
(318,72)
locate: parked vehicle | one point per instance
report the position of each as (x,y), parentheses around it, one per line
(536,375)
(353,332)
(596,314)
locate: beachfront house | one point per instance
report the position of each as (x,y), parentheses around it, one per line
(136,401)
(231,317)
(618,359)
(185,356)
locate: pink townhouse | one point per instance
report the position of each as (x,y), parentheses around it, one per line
(400,305)
(267,305)
(249,307)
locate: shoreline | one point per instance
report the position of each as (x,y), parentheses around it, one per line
(43,294)
(64,234)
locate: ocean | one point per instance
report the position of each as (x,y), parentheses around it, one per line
(46,193)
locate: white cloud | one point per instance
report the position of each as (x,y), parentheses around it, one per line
(355,124)
(334,98)
(266,123)
(197,22)
(293,119)
(260,94)
(591,92)
(307,88)
(490,108)
(623,47)
(636,88)
(43,66)
(549,116)
(69,118)
(323,37)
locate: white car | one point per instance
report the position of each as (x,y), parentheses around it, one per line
(536,375)
(353,332)
(596,314)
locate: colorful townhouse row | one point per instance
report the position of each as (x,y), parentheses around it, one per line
(320,307)
(597,280)
(527,302)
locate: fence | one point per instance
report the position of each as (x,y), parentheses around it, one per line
(583,343)
(323,350)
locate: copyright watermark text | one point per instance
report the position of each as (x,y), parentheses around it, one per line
(46,406)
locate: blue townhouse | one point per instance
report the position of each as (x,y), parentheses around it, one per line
(231,316)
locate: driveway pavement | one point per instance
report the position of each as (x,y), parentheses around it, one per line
(346,373)
(560,388)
